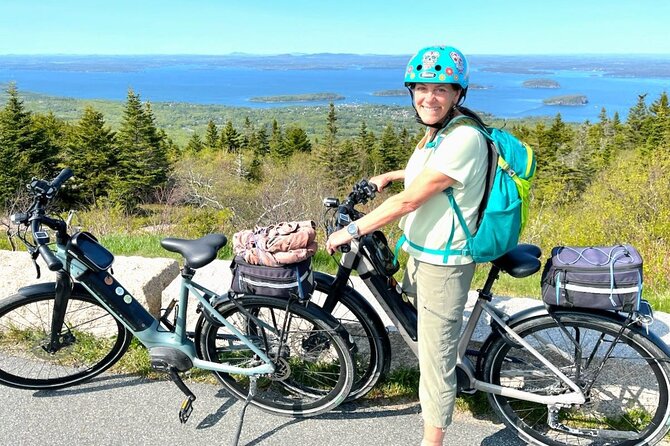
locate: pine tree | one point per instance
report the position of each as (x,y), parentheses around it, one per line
(659,128)
(231,140)
(142,154)
(365,146)
(388,155)
(90,153)
(195,144)
(261,143)
(278,147)
(638,123)
(296,140)
(330,139)
(24,149)
(212,136)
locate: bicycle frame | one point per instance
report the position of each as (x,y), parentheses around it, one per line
(118,301)
(403,316)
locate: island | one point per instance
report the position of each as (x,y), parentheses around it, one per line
(399,92)
(541,83)
(307,97)
(571,99)
(479,87)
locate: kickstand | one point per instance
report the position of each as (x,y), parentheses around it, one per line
(187,405)
(252,393)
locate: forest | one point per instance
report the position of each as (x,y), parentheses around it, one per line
(146,170)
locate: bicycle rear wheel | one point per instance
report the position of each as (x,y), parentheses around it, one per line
(91,341)
(372,358)
(627,395)
(314,368)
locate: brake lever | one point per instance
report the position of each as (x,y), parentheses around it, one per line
(33,255)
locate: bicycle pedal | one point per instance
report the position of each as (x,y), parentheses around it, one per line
(186,409)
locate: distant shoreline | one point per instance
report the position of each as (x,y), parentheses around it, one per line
(308,97)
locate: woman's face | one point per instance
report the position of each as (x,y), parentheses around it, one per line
(433,101)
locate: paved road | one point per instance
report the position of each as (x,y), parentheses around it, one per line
(123,410)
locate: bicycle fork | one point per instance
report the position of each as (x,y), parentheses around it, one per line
(57,340)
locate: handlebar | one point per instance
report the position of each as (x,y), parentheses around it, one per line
(345,213)
(43,192)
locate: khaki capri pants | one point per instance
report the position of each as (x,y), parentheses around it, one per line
(439,293)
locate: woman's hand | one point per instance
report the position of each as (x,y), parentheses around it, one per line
(381,181)
(336,239)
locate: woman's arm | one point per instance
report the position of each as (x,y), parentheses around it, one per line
(428,183)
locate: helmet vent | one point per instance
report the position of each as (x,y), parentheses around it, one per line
(419,67)
(438,67)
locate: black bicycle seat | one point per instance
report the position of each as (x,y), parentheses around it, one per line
(522,261)
(198,252)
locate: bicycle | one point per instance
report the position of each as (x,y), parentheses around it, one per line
(283,356)
(554,376)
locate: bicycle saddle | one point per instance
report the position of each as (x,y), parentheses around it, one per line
(198,252)
(522,261)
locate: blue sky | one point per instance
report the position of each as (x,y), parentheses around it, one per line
(311,26)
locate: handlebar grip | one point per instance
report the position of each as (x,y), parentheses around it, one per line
(62,177)
(51,260)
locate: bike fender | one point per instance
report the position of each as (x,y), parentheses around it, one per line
(47,287)
(539,311)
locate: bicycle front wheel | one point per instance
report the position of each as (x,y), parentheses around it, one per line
(372,357)
(90,341)
(314,368)
(626,391)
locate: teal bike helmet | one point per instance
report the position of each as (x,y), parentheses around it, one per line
(438,65)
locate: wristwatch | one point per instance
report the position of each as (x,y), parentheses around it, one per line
(352,230)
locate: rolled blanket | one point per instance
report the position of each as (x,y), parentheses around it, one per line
(280,244)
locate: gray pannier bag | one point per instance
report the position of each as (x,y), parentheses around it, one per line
(601,277)
(295,279)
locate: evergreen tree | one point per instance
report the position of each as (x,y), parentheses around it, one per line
(212,136)
(278,147)
(331,127)
(365,146)
(90,153)
(388,155)
(55,132)
(195,144)
(142,154)
(638,123)
(659,128)
(261,143)
(24,150)
(296,140)
(231,140)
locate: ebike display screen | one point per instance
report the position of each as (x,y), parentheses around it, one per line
(85,247)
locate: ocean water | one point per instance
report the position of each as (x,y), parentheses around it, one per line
(504,95)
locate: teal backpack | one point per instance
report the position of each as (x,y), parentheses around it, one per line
(504,210)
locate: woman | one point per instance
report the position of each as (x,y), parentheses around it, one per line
(447,158)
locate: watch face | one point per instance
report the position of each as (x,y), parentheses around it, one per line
(352,229)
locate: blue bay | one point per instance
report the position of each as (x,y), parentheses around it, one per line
(233,84)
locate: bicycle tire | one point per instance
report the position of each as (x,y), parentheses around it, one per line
(314,368)
(372,358)
(628,401)
(25,321)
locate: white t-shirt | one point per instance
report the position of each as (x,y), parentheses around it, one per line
(461,155)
